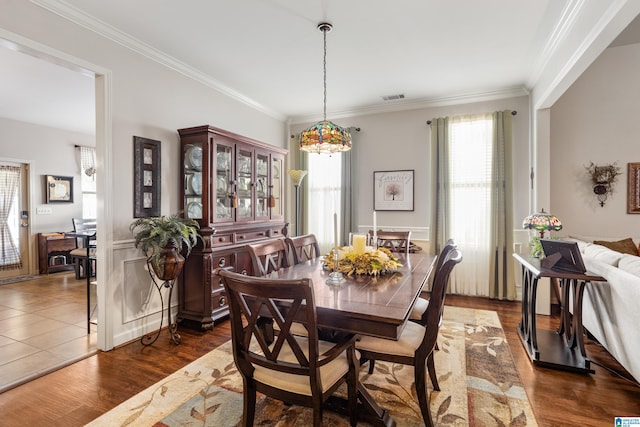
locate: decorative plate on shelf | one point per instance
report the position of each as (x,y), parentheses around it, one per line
(194,210)
(196,183)
(193,157)
(221,184)
(260,187)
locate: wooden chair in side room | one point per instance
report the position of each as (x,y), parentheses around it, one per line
(79,255)
(303,248)
(416,342)
(395,241)
(298,370)
(268,256)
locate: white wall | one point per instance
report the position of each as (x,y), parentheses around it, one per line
(597,120)
(151,101)
(51,151)
(400,141)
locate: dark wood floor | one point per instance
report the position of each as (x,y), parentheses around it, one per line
(78,393)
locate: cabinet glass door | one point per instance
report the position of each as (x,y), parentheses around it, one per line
(262,185)
(193,158)
(276,187)
(223,181)
(244,187)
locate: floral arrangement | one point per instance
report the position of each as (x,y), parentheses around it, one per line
(371,262)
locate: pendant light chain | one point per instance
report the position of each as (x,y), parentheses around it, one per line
(324,65)
(325,136)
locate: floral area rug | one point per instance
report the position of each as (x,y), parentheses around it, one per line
(478,381)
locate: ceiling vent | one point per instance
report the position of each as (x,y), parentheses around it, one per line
(393,97)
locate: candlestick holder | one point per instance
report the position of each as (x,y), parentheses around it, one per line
(335,277)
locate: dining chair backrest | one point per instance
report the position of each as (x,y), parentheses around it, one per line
(303,248)
(395,241)
(290,368)
(448,247)
(431,317)
(84,224)
(268,256)
(281,300)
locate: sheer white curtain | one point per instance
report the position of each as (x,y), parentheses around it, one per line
(324,185)
(470,169)
(9,227)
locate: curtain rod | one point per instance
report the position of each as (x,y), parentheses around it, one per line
(513,113)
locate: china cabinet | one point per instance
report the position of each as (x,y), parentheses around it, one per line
(233,186)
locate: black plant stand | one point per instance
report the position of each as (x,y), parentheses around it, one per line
(172,326)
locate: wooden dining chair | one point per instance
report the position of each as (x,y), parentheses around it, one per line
(268,256)
(422,303)
(416,342)
(303,248)
(298,370)
(395,241)
(79,255)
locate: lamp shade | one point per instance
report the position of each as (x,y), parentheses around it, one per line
(325,137)
(297,176)
(541,222)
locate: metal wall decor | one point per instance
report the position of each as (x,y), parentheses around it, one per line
(146,165)
(393,190)
(59,189)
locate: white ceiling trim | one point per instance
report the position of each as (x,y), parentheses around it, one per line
(418,104)
(592,45)
(566,22)
(87,21)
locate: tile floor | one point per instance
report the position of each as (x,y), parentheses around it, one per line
(43,326)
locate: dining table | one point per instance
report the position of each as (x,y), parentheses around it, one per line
(367,305)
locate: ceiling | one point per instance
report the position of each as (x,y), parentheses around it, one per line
(269,53)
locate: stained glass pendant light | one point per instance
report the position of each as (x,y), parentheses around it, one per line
(325,136)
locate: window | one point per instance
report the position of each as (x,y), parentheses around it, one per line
(470,193)
(324,197)
(88,182)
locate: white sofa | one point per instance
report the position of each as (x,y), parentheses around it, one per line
(611,309)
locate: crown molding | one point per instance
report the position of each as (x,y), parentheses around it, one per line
(87,21)
(567,20)
(390,107)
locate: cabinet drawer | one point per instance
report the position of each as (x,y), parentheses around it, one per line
(218,299)
(218,240)
(61,244)
(276,232)
(250,236)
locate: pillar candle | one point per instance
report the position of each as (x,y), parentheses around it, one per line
(375,227)
(359,242)
(335,230)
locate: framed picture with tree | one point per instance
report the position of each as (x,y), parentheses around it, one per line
(393,190)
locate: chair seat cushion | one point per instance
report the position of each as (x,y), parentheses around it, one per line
(329,373)
(82,252)
(406,345)
(419,308)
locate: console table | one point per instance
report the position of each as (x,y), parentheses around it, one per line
(562,349)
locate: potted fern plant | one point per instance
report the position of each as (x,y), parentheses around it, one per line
(163,239)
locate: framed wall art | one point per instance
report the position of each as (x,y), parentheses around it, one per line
(393,190)
(59,189)
(146,166)
(633,188)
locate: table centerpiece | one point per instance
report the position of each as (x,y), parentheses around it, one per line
(372,261)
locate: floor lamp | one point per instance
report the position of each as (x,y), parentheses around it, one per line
(296,177)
